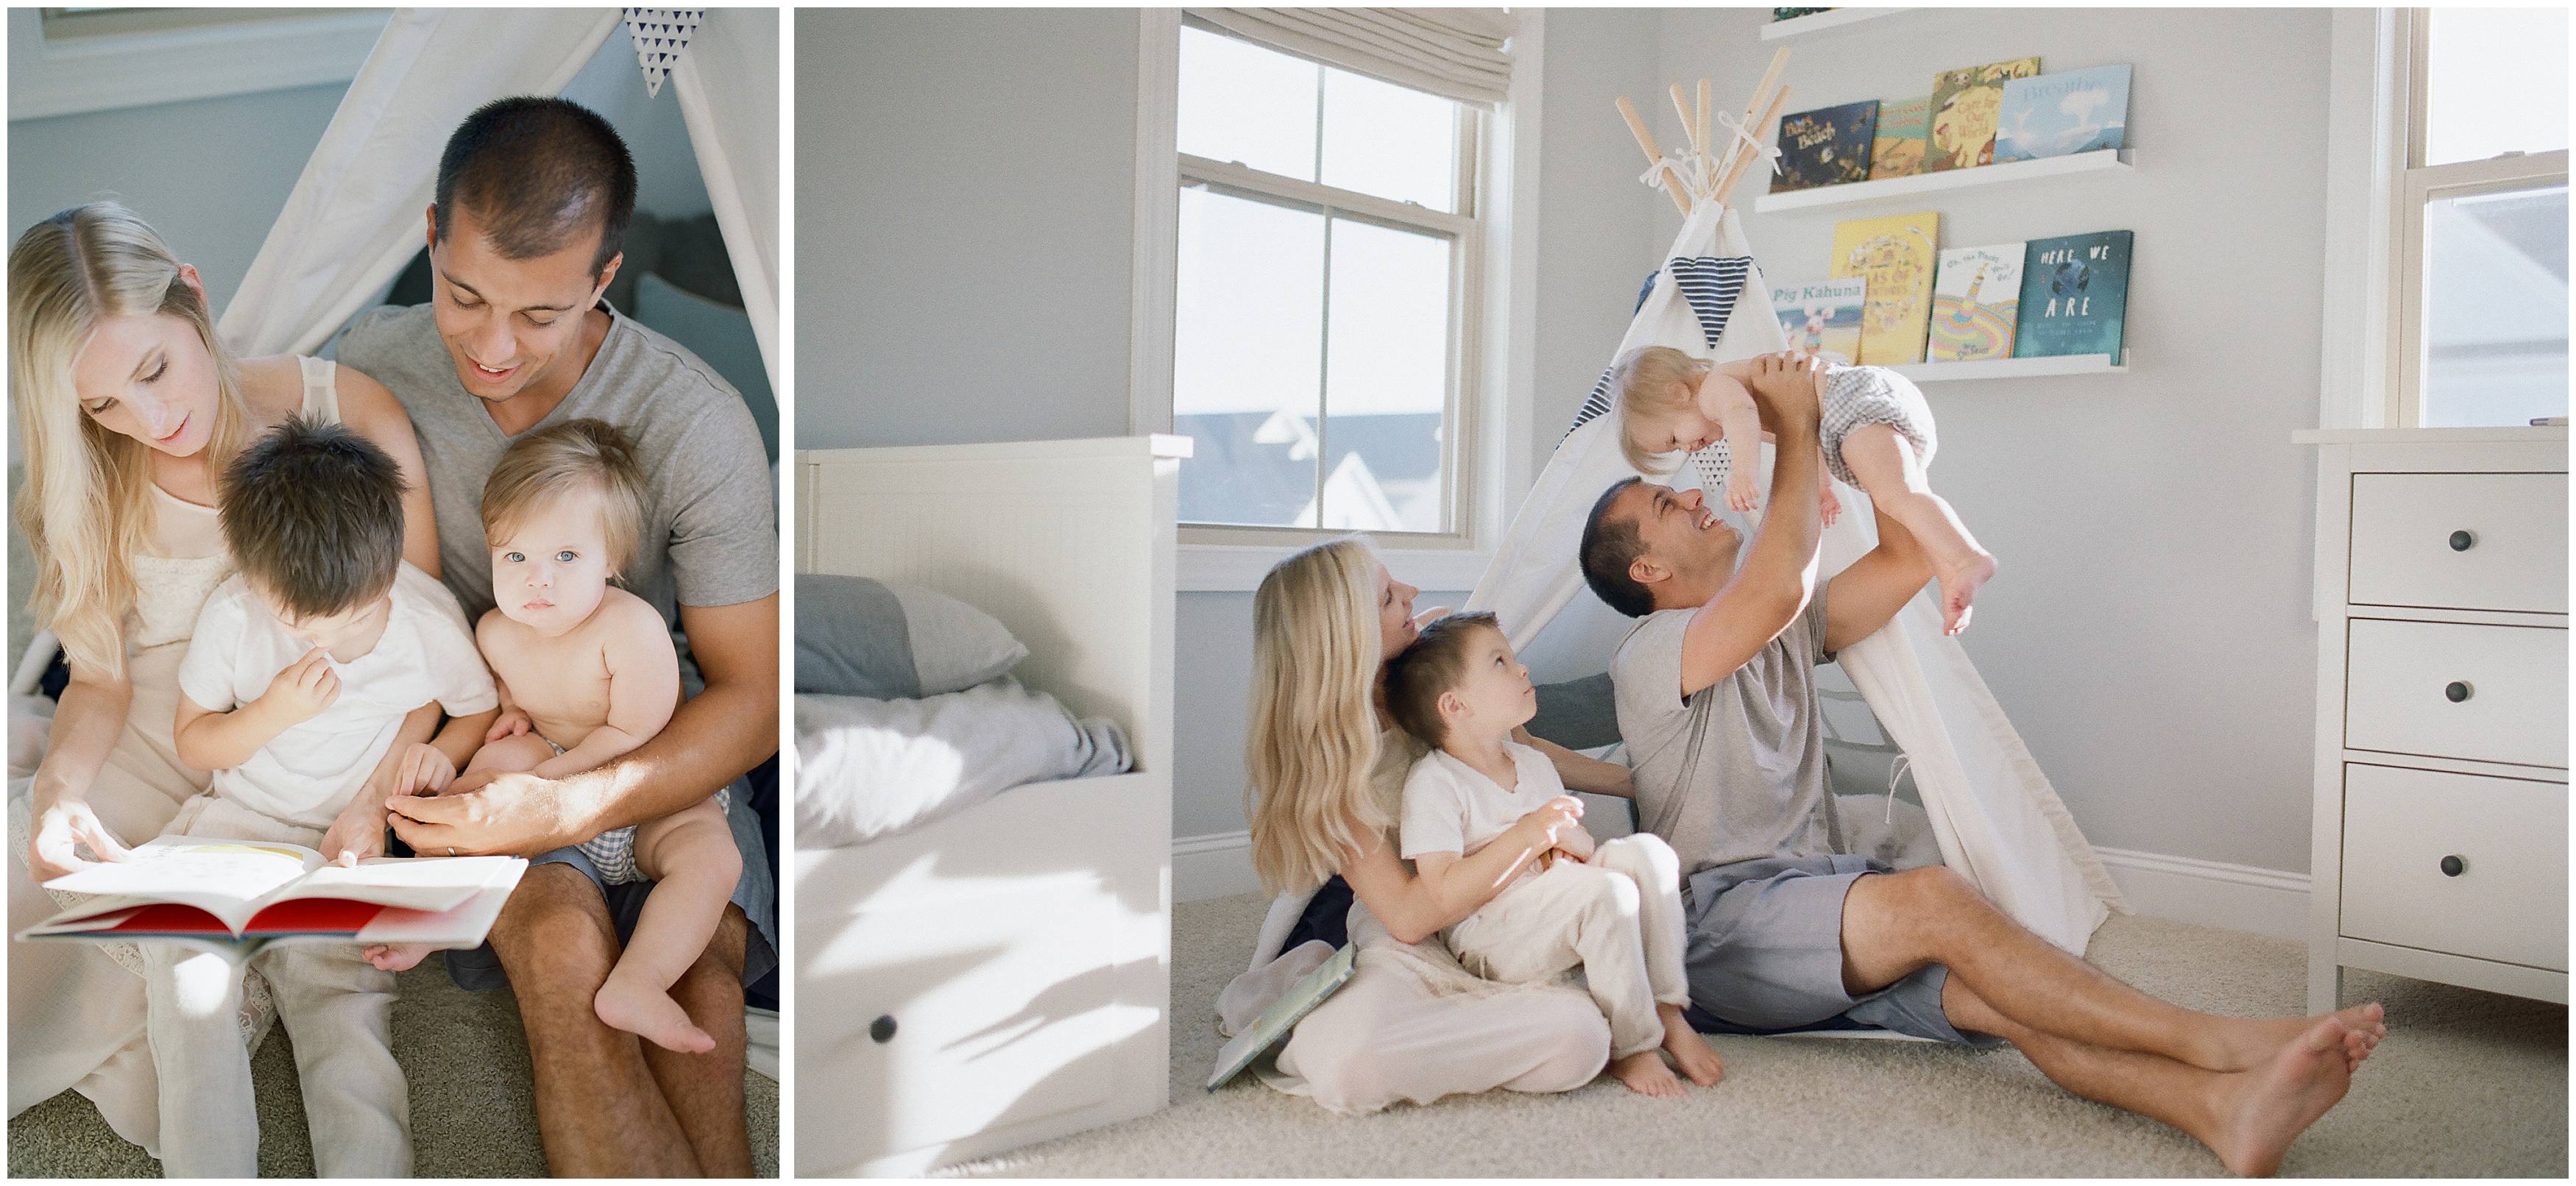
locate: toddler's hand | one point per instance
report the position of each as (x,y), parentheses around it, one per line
(1828,507)
(307,686)
(512,722)
(359,833)
(1554,818)
(1743,488)
(423,770)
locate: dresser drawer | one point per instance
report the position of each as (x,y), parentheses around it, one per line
(2510,684)
(2460,541)
(2406,831)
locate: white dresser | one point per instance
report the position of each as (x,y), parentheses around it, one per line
(2441,771)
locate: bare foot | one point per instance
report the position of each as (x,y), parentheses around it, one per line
(397,957)
(1690,1052)
(2276,1102)
(1959,591)
(2252,1042)
(1645,1073)
(634,1004)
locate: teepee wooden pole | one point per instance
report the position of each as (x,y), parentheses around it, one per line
(1770,78)
(1646,142)
(1681,107)
(1700,121)
(1726,184)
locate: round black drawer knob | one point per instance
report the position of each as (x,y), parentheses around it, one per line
(882,1029)
(2454,866)
(2455,691)
(2462,541)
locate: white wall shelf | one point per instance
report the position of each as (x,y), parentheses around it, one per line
(1857,192)
(2014,368)
(1823,21)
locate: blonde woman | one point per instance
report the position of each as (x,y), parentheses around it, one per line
(127,406)
(1327,768)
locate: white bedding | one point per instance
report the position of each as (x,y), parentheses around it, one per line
(867,769)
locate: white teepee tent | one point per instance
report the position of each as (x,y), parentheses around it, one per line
(1998,821)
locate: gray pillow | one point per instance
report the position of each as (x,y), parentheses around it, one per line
(1577,714)
(861,637)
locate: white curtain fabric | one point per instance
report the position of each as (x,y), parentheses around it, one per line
(1459,53)
(1999,822)
(728,92)
(358,212)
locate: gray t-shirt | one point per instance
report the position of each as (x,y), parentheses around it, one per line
(710,528)
(1737,772)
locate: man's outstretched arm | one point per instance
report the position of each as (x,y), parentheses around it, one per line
(713,739)
(1862,598)
(1771,587)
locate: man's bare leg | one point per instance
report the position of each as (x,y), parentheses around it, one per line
(1895,923)
(598,1109)
(704,1091)
(2248,1118)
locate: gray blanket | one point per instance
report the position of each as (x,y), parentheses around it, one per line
(873,768)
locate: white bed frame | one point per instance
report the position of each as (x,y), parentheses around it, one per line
(1001,976)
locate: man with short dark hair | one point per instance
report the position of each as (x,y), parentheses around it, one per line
(526,231)
(1717,704)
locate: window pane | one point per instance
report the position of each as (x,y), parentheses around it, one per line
(2497,81)
(1386,379)
(1246,367)
(1240,102)
(1383,139)
(2495,308)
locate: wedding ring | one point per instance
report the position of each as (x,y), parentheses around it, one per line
(451,850)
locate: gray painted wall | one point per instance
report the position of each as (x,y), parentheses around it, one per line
(965,187)
(2150,638)
(2150,633)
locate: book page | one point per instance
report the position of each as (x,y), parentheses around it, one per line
(225,878)
(413,883)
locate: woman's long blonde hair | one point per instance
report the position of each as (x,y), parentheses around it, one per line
(85,504)
(1314,736)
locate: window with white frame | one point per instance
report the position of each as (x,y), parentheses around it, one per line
(2480,210)
(1327,295)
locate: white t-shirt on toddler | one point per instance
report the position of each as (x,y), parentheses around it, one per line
(307,774)
(1448,807)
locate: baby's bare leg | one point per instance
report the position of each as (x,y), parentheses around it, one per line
(691,858)
(1884,462)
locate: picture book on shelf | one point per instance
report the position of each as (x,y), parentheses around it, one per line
(1903,125)
(2062,114)
(238,896)
(2074,295)
(1823,318)
(1896,255)
(1974,299)
(1965,106)
(1827,146)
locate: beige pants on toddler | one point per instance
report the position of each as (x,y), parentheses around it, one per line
(1618,917)
(338,1012)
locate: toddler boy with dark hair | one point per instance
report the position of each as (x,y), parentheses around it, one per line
(310,687)
(1613,909)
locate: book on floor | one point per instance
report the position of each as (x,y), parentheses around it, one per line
(1823,318)
(1975,298)
(2074,296)
(1896,255)
(1272,1027)
(1827,146)
(236,897)
(2063,114)
(1965,106)
(1896,149)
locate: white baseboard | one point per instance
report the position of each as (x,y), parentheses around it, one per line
(2212,893)
(1214,866)
(2185,889)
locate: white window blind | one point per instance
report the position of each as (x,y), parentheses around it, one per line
(1457,53)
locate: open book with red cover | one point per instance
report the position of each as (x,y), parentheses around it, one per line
(238,896)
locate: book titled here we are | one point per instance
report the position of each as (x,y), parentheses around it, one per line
(236,897)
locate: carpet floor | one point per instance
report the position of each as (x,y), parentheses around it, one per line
(2466,1084)
(473,1110)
